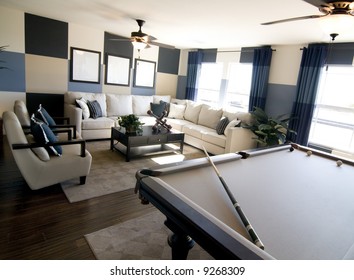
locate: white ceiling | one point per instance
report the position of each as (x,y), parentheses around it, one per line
(191,24)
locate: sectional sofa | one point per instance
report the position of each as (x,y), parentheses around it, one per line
(218,130)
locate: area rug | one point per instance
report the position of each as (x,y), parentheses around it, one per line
(143,238)
(110,172)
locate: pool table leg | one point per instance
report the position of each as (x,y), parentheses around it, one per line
(179,242)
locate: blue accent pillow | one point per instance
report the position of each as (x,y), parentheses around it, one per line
(43,134)
(158,108)
(44,116)
(95,109)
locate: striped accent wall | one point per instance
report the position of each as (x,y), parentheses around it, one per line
(37,58)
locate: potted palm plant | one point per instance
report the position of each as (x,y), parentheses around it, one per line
(269,131)
(131,123)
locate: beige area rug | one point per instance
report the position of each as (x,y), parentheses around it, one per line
(110,172)
(143,238)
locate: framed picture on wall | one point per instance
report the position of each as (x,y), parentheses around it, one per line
(85,66)
(117,70)
(144,73)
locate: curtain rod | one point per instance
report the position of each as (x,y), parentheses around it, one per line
(213,50)
(274,50)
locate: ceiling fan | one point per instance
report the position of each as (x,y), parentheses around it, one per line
(327,8)
(141,40)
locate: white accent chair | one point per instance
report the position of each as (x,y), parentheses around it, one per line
(75,160)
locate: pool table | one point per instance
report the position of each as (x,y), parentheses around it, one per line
(299,201)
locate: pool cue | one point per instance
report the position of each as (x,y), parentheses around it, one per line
(237,206)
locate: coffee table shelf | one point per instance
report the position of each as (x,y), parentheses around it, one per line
(130,144)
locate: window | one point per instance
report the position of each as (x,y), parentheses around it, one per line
(209,83)
(239,86)
(236,95)
(333,121)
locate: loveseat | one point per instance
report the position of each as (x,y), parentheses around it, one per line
(218,130)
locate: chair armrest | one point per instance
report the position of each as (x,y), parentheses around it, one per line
(68,131)
(65,126)
(56,129)
(65,120)
(62,143)
(75,115)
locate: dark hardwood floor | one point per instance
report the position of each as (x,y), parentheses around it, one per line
(42,224)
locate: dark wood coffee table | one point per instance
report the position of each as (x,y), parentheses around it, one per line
(127,142)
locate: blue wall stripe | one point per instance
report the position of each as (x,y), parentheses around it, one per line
(168,61)
(85,87)
(143,91)
(280,99)
(13,78)
(181,87)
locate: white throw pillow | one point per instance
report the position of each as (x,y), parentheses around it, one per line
(233,123)
(192,111)
(119,104)
(85,109)
(246,118)
(141,104)
(100,97)
(176,111)
(209,116)
(179,101)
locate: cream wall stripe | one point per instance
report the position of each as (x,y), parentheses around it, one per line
(46,74)
(12,30)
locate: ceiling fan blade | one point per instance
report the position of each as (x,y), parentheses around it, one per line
(121,40)
(317,3)
(151,38)
(292,19)
(162,45)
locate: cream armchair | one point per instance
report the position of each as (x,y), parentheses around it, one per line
(75,160)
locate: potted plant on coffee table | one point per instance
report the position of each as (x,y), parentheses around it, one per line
(131,123)
(269,131)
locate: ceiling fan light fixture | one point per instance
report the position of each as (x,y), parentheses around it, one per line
(337,23)
(139,44)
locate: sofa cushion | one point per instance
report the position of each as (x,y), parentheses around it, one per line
(99,123)
(147,120)
(177,123)
(179,101)
(214,138)
(209,116)
(196,130)
(82,103)
(157,98)
(176,111)
(95,109)
(192,111)
(119,104)
(71,96)
(141,104)
(221,126)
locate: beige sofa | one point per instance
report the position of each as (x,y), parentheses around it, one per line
(197,121)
